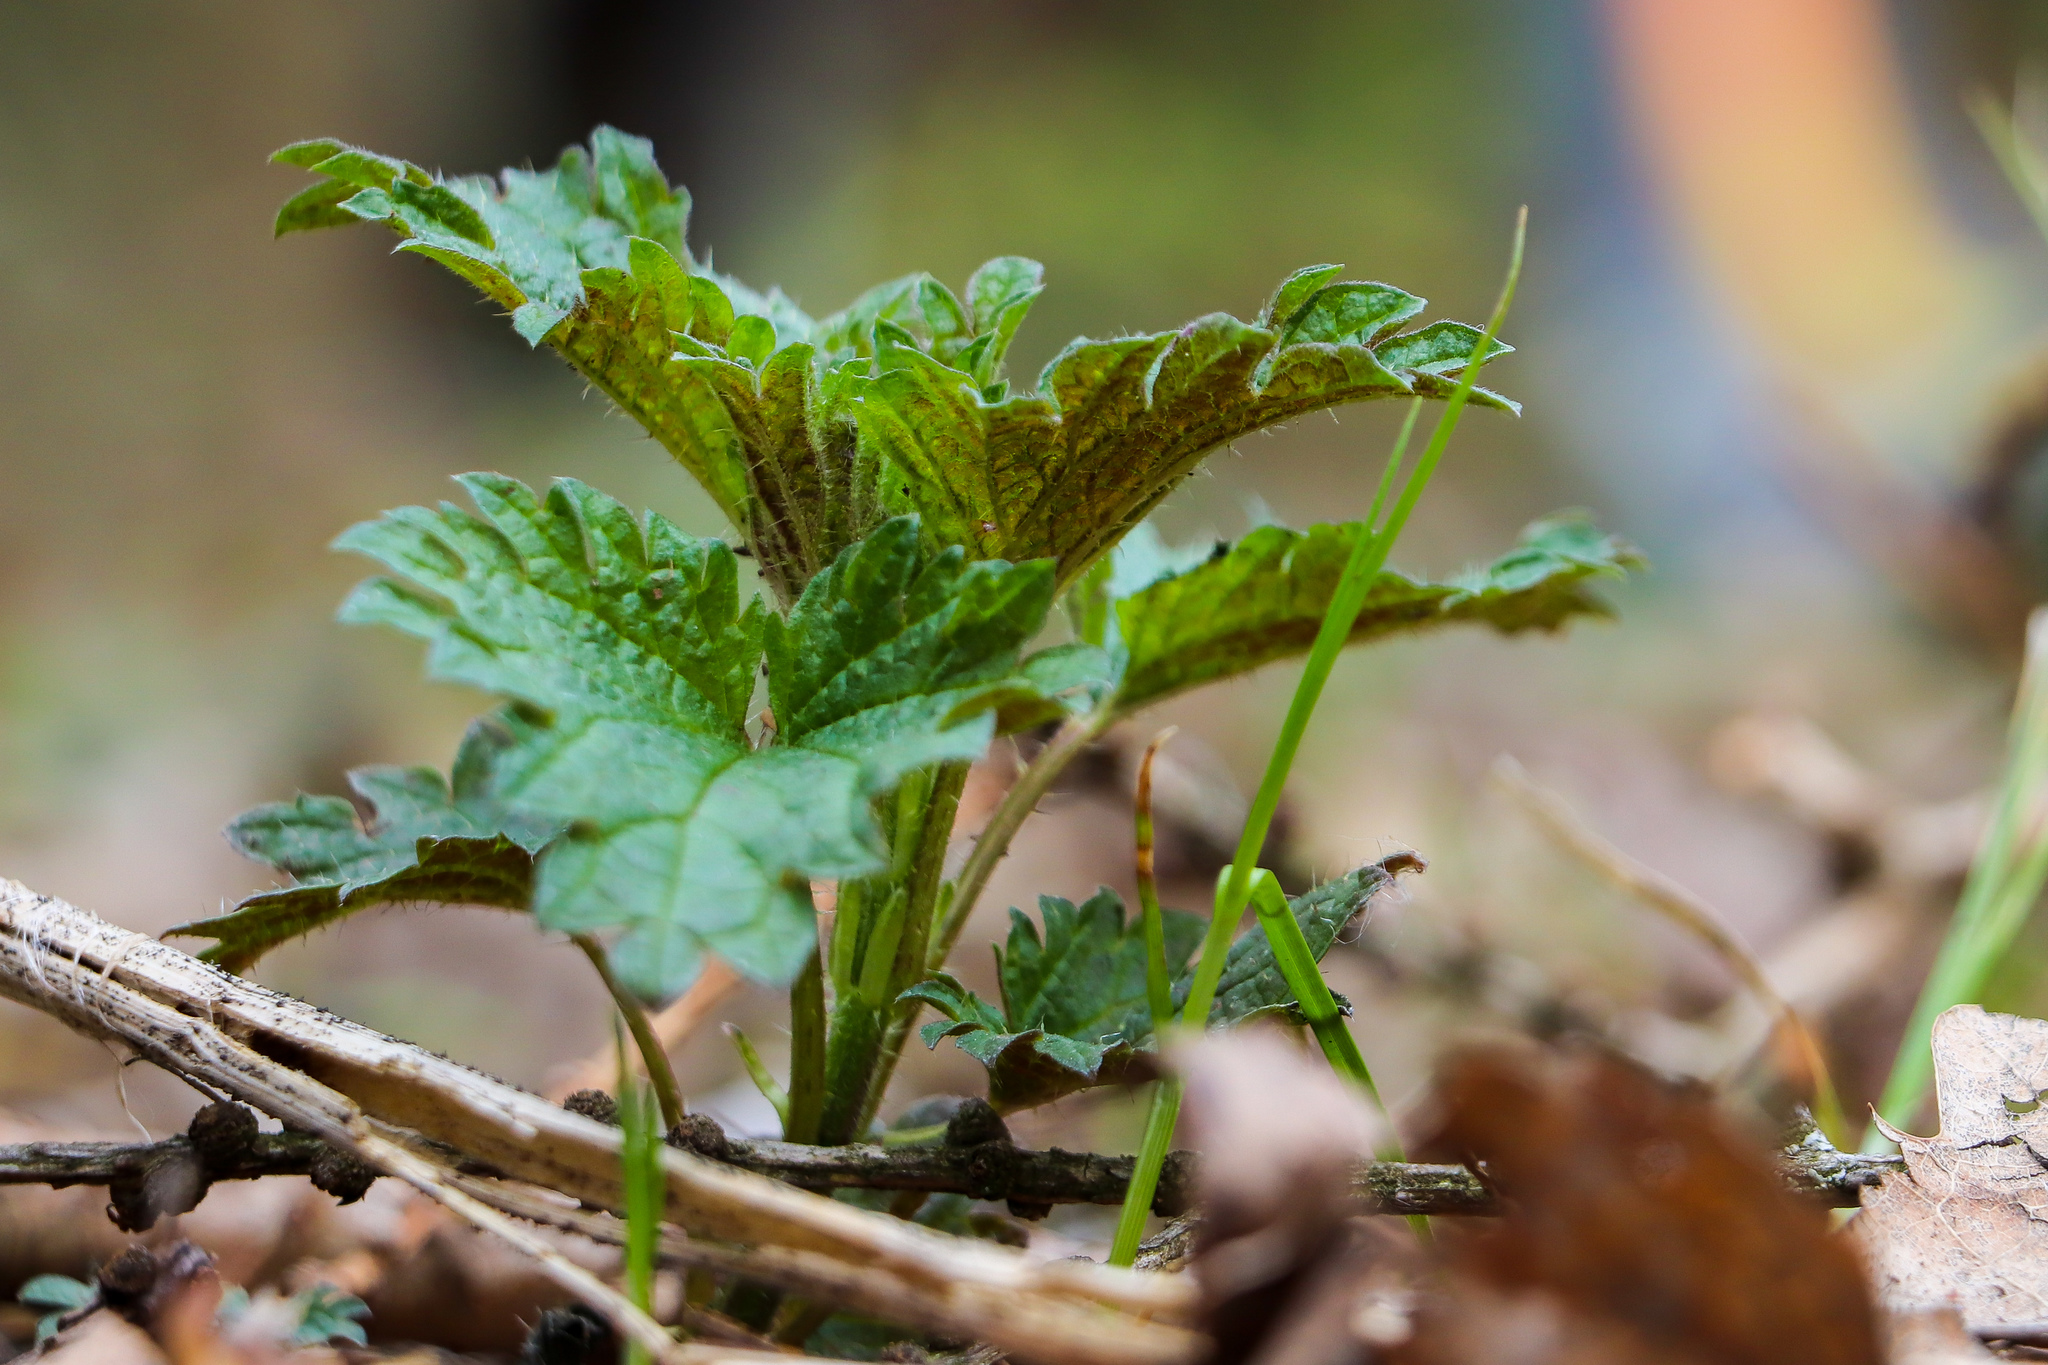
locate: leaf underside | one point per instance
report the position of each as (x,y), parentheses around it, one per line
(1263,599)
(808,433)
(423,843)
(1074,1010)
(630,664)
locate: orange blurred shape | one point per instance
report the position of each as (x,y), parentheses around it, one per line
(1780,135)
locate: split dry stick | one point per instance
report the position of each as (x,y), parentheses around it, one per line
(864,1290)
(1564,825)
(333,1078)
(623,1313)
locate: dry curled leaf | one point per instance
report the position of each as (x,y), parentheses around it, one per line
(1281,1260)
(1637,1228)
(1966,1225)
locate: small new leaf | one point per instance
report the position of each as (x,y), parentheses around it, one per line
(61,1295)
(1178,620)
(326,1314)
(1074,1009)
(427,840)
(1073,1002)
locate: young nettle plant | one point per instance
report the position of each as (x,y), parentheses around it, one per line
(675,767)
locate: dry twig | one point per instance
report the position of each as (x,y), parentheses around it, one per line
(367,1094)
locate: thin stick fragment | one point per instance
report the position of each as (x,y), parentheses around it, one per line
(1031,1326)
(1571,832)
(1158,985)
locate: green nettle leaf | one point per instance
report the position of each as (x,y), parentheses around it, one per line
(631,663)
(326,1314)
(427,841)
(1114,426)
(56,1291)
(1179,619)
(60,1294)
(1252,985)
(1073,1003)
(1074,1009)
(810,433)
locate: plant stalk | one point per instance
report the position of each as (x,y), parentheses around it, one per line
(879,941)
(666,1092)
(645,1189)
(806,1053)
(1297,964)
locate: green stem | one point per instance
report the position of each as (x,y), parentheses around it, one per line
(1379,498)
(666,1091)
(762,1077)
(1158,1139)
(1368,556)
(645,1190)
(930,902)
(879,941)
(806,1054)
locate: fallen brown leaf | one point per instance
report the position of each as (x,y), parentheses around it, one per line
(1966,1225)
(1637,1228)
(1280,1256)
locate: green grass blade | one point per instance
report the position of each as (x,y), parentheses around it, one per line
(2004,882)
(1368,556)
(645,1185)
(1137,1206)
(758,1072)
(1298,964)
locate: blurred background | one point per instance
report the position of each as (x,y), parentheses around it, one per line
(1781,325)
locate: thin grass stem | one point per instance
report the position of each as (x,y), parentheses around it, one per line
(1368,556)
(646,1187)
(1297,963)
(1008,817)
(1569,830)
(1152,1149)
(2005,880)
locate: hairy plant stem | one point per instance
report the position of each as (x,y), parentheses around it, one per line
(667,1093)
(806,1053)
(953,902)
(1368,556)
(880,936)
